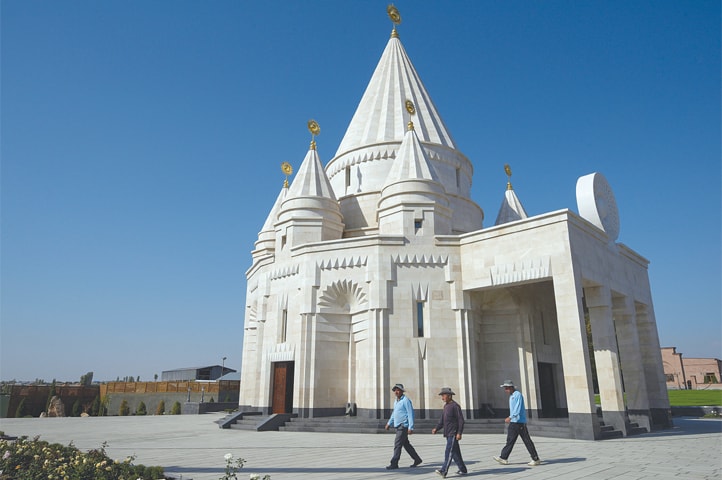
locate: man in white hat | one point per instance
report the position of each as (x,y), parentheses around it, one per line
(402,419)
(517,426)
(452,423)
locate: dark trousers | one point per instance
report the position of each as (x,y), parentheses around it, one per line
(453,452)
(515,431)
(402,440)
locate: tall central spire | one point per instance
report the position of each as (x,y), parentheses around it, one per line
(380,116)
(359,169)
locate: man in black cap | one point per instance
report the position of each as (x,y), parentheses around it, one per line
(402,418)
(452,421)
(517,426)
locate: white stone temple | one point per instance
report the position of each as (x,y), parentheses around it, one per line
(377,269)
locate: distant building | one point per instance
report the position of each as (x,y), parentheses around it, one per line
(690,373)
(213,372)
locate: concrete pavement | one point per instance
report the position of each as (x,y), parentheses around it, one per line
(192,447)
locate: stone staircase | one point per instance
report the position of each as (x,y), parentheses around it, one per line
(608,431)
(558,428)
(542,427)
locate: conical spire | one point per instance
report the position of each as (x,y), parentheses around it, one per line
(511,208)
(311,179)
(310,211)
(380,115)
(412,162)
(359,170)
(412,185)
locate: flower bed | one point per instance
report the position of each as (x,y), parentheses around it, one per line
(24,459)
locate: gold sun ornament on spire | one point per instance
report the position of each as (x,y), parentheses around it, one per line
(411,108)
(315,129)
(507,170)
(395,17)
(287,170)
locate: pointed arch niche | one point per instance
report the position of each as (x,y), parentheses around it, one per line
(341,346)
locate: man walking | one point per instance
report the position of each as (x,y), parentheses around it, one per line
(517,426)
(402,419)
(452,421)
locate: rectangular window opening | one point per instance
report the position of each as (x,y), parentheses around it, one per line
(284,325)
(417,225)
(419,319)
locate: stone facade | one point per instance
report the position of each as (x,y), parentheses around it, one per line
(377,269)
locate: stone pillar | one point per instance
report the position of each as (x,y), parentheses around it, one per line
(305,367)
(467,392)
(606,356)
(653,368)
(635,385)
(575,354)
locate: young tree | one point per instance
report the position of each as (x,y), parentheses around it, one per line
(124,409)
(160,410)
(95,407)
(141,410)
(176,410)
(20,411)
(77,409)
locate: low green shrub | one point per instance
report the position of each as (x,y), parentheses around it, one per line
(124,409)
(25,459)
(160,409)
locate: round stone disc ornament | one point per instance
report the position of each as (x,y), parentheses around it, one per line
(596,203)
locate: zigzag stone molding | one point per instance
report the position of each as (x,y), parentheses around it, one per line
(523,271)
(284,272)
(336,263)
(436,260)
(281,352)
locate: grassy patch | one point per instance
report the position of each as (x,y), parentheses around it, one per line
(693,398)
(689,398)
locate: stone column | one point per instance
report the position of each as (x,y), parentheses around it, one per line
(635,385)
(653,369)
(467,392)
(305,366)
(606,356)
(583,420)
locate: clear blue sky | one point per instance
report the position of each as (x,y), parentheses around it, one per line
(142,143)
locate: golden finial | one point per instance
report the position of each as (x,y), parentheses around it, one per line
(315,130)
(412,110)
(410,107)
(507,170)
(287,170)
(395,17)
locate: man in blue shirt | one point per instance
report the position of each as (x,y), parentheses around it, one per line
(517,426)
(402,419)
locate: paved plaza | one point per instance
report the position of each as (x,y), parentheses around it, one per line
(192,447)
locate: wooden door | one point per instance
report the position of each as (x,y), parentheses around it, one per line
(282,394)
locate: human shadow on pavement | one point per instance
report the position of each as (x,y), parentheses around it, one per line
(562,460)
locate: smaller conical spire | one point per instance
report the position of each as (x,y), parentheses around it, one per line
(511,208)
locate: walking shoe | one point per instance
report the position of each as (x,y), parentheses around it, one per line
(534,463)
(503,461)
(441,474)
(391,467)
(416,463)
(461,473)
